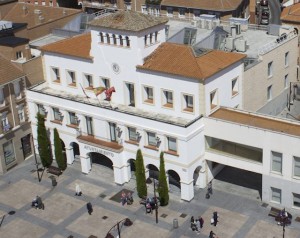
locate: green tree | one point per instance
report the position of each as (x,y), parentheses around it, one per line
(140,175)
(58,151)
(43,141)
(163,189)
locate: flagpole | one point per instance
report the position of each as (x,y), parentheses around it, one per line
(85,93)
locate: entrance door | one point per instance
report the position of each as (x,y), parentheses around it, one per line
(26,146)
(89,125)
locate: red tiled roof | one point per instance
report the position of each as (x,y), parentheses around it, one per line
(291,14)
(77,46)
(180,60)
(8,71)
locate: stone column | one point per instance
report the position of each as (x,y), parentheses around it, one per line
(85,164)
(187,190)
(69,154)
(120,173)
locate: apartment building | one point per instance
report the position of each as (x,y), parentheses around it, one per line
(160,96)
(15,130)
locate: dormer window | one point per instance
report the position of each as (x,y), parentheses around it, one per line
(107,38)
(101,37)
(121,40)
(127,41)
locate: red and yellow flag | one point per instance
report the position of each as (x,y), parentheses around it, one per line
(99,90)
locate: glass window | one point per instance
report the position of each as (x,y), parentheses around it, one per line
(270,69)
(151,139)
(269,92)
(101,37)
(286,59)
(73,118)
(234,87)
(41,109)
(296,166)
(105,82)
(181,12)
(5,123)
(71,78)
(168,99)
(55,74)
(19,54)
(188,103)
(2,102)
(17,89)
(132,133)
(172,144)
(112,129)
(21,113)
(148,96)
(9,153)
(57,114)
(296,200)
(88,81)
(276,195)
(286,81)
(213,100)
(276,161)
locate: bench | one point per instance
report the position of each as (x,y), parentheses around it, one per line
(54,170)
(274,212)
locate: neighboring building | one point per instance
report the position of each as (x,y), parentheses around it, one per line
(166,97)
(53,3)
(15,130)
(290,15)
(5,6)
(41,20)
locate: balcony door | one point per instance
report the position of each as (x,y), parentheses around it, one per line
(89,125)
(112,129)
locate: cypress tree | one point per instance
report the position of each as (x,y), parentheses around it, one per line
(43,141)
(59,156)
(162,181)
(140,175)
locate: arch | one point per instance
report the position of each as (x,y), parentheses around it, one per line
(107,38)
(174,178)
(153,171)
(76,150)
(131,163)
(196,175)
(97,158)
(114,39)
(101,37)
(127,41)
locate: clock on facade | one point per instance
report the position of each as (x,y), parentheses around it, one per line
(116,68)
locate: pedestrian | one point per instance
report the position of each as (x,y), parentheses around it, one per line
(78,191)
(209,188)
(89,208)
(201,221)
(211,234)
(215,217)
(198,225)
(123,198)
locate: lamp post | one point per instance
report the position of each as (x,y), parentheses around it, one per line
(36,163)
(155,199)
(285,219)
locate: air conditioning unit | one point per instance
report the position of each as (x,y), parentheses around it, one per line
(202,23)
(229,45)
(208,24)
(240,45)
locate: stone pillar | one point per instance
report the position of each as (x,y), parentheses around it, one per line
(85,164)
(168,182)
(69,154)
(187,190)
(202,179)
(128,172)
(147,173)
(119,174)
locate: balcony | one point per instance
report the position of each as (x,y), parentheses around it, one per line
(99,142)
(6,128)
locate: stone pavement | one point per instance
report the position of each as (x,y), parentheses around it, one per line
(65,214)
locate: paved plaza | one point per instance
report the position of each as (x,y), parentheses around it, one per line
(242,214)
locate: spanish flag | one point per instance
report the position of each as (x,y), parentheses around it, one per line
(99,90)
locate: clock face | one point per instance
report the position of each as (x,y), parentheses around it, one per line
(116,68)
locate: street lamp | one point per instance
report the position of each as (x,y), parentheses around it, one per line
(155,200)
(284,221)
(36,163)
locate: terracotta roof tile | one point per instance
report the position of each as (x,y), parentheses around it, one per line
(78,46)
(291,14)
(17,15)
(128,20)
(216,5)
(258,121)
(180,60)
(8,71)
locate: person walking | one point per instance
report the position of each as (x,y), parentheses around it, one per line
(89,208)
(215,217)
(201,222)
(78,191)
(211,234)
(198,225)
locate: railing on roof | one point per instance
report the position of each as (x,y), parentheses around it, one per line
(279,41)
(104,12)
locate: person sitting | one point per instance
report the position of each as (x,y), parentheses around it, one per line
(129,198)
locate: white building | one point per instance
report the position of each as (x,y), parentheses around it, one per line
(162,90)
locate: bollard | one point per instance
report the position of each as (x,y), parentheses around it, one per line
(175,223)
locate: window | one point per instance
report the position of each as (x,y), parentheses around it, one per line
(148,96)
(276,195)
(286,81)
(55,75)
(107,38)
(88,81)
(9,153)
(270,69)
(89,125)
(276,159)
(188,103)
(41,109)
(17,90)
(112,130)
(121,40)
(269,92)
(213,100)
(73,118)
(19,54)
(127,41)
(145,40)
(21,113)
(151,139)
(4,122)
(296,166)
(105,82)
(168,99)
(172,144)
(71,78)
(156,36)
(132,135)
(151,36)
(101,37)
(181,12)
(296,200)
(114,39)
(2,101)
(286,59)
(57,114)
(234,87)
